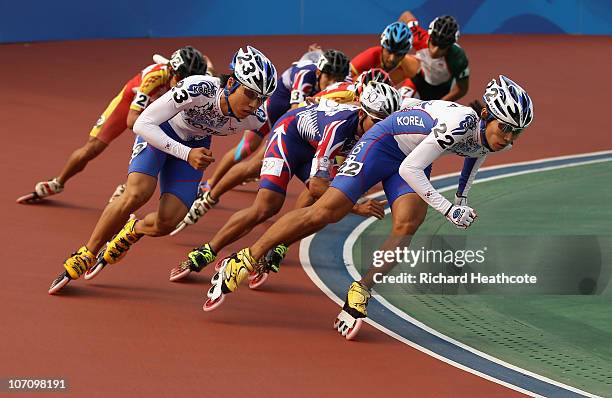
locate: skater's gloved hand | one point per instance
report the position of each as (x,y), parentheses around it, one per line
(371,208)
(461,216)
(200,158)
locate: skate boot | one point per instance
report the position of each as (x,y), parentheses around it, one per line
(203,203)
(77,264)
(233,271)
(41,191)
(116,249)
(198,258)
(350,319)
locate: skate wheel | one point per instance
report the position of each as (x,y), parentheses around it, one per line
(257,280)
(177,274)
(59,283)
(178,228)
(215,278)
(32,197)
(219,264)
(211,292)
(352,332)
(94,271)
(211,304)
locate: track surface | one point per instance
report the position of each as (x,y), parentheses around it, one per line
(130,331)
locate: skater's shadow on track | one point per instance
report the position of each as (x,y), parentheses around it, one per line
(291,321)
(108,291)
(77,291)
(261,320)
(193,280)
(276,288)
(60,204)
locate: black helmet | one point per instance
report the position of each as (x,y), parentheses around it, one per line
(444,31)
(335,63)
(187,61)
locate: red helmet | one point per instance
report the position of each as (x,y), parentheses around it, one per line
(372,75)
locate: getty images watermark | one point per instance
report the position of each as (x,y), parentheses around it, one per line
(487,264)
(459,258)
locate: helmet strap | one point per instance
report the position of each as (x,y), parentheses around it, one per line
(226,93)
(483,136)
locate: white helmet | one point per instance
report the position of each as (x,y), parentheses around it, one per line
(254,70)
(379,100)
(507,102)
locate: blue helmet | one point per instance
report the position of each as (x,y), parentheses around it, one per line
(509,103)
(397,38)
(254,70)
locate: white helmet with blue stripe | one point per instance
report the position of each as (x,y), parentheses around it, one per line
(254,70)
(509,103)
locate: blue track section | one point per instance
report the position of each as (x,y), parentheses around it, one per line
(326,258)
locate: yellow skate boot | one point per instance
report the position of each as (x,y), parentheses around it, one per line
(350,319)
(77,264)
(117,248)
(233,271)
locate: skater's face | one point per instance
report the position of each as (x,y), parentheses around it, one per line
(366,122)
(243,100)
(500,135)
(325,80)
(437,51)
(390,60)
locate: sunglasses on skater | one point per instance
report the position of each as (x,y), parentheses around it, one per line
(251,94)
(506,128)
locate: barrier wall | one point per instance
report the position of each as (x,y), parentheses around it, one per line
(38,20)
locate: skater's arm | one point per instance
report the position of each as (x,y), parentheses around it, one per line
(160,111)
(468,173)
(317,186)
(458,90)
(131,118)
(413,168)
